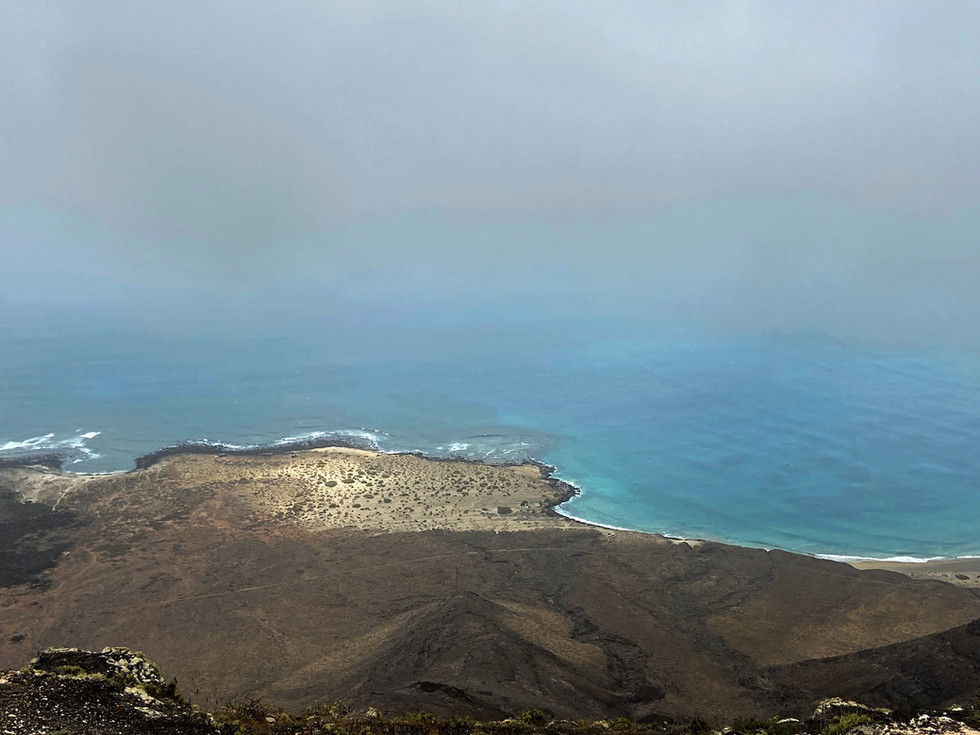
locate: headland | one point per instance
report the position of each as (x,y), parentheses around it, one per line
(408,583)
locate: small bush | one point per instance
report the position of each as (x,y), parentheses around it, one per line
(164,691)
(845,722)
(246,710)
(69,671)
(459,724)
(533,717)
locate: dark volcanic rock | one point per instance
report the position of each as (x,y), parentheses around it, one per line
(114,692)
(939,668)
(484,658)
(31,539)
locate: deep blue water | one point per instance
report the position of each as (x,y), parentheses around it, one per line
(780,441)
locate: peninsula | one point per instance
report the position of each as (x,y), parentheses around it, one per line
(406,583)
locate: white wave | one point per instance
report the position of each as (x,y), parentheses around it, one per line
(490,448)
(89,454)
(309,436)
(372,438)
(373,435)
(223,445)
(50,443)
(32,443)
(569,516)
(558,509)
(897,559)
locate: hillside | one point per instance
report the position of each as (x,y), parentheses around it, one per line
(119,692)
(237,576)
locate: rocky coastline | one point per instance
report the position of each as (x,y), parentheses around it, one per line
(403,583)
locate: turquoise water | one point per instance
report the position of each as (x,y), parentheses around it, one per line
(780,441)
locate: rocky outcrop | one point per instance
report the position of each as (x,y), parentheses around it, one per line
(112,692)
(68,691)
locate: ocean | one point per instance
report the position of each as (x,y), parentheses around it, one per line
(789,441)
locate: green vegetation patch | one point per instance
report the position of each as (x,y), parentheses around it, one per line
(844,723)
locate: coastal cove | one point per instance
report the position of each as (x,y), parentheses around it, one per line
(805,445)
(43,486)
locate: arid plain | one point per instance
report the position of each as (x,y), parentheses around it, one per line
(406,583)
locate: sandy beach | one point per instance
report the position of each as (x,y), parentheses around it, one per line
(962,572)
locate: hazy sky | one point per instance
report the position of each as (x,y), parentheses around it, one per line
(808,164)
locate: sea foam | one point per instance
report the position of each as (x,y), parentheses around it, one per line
(72,448)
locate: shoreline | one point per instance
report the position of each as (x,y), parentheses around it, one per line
(961,571)
(955,567)
(566,490)
(325,560)
(333,486)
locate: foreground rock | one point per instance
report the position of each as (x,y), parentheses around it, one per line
(112,692)
(67,691)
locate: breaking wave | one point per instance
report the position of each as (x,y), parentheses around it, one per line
(70,449)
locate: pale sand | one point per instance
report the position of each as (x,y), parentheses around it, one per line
(329,488)
(342,488)
(962,572)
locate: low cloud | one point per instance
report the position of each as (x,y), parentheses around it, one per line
(735,151)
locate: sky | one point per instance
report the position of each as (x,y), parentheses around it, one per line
(768,165)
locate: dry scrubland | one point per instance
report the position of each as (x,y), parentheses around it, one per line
(410,584)
(352,488)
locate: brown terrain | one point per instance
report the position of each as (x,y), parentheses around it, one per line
(411,584)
